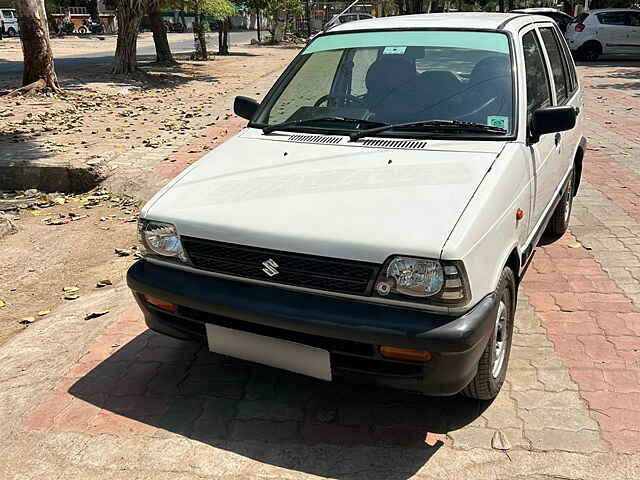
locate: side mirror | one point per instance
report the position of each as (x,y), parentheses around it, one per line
(551,120)
(245,107)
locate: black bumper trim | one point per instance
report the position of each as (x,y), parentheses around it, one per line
(312,314)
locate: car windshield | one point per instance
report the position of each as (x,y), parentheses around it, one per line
(391,77)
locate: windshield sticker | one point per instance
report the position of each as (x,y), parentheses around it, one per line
(394,50)
(498,121)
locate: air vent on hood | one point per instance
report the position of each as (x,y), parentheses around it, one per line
(314,139)
(407,144)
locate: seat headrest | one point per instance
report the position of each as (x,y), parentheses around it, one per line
(390,72)
(490,67)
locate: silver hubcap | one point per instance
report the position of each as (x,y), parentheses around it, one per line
(500,336)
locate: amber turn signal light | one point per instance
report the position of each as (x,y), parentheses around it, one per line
(161,304)
(405,354)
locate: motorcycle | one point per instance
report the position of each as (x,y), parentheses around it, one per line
(89,26)
(65,28)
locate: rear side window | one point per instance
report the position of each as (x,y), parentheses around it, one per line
(538,92)
(558,67)
(633,19)
(613,18)
(581,18)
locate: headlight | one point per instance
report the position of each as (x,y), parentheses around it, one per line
(160,239)
(430,281)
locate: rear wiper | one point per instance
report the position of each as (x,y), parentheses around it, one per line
(292,123)
(429,125)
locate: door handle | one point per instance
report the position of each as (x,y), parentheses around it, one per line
(557,139)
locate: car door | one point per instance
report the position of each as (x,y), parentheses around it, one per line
(613,32)
(542,153)
(563,94)
(633,19)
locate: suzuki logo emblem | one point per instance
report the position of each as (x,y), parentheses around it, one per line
(270,267)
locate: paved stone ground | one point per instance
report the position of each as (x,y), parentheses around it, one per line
(106,398)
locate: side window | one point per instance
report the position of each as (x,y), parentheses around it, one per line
(613,18)
(538,93)
(633,19)
(558,68)
(362,60)
(312,82)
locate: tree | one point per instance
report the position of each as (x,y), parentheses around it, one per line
(159,29)
(219,10)
(278,10)
(38,70)
(129,13)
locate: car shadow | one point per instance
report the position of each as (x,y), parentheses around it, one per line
(266,414)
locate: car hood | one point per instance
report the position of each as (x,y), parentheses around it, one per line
(339,200)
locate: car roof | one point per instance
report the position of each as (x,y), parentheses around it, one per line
(603,10)
(462,20)
(536,10)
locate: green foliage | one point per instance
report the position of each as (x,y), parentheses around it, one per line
(218,9)
(272,7)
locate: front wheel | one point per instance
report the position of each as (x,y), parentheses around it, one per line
(492,368)
(11,32)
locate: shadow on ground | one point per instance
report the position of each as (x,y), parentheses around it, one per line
(616,74)
(268,414)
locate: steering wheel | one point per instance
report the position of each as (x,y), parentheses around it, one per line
(332,101)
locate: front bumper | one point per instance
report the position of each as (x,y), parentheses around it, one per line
(351,330)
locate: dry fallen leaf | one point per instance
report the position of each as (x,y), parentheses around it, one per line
(97,314)
(3,303)
(27,320)
(71,289)
(500,441)
(42,313)
(433,438)
(121,252)
(574,245)
(71,296)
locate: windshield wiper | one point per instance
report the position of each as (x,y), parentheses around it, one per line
(429,125)
(293,123)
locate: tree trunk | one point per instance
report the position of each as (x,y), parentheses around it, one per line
(259,24)
(223,46)
(36,49)
(199,38)
(163,50)
(129,14)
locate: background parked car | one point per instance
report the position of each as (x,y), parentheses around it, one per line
(9,19)
(562,19)
(345,18)
(612,31)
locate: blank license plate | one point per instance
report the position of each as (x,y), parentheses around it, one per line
(274,352)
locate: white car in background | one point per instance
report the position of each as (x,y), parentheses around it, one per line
(9,19)
(611,31)
(346,18)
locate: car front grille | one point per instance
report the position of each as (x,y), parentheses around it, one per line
(308,271)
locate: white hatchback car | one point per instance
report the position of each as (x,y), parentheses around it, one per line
(375,217)
(9,20)
(612,31)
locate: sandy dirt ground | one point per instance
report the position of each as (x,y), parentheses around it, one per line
(98,119)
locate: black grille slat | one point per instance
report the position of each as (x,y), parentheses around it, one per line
(309,271)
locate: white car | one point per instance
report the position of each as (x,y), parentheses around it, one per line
(375,217)
(9,20)
(612,31)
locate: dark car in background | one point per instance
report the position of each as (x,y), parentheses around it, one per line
(562,19)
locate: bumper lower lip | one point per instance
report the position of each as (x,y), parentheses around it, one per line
(457,342)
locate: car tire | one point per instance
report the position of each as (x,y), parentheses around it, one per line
(559,221)
(590,51)
(492,368)
(11,32)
